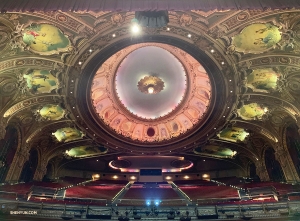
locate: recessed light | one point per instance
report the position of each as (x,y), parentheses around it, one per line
(222,62)
(80,63)
(113,35)
(135,29)
(189,35)
(168,29)
(212,50)
(90,50)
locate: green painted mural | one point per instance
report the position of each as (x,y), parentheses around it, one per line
(86,151)
(51,112)
(215,151)
(233,134)
(252,111)
(45,39)
(263,80)
(257,38)
(41,81)
(68,134)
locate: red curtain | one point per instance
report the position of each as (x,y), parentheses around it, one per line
(138,5)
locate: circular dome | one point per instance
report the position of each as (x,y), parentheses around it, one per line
(149,67)
(151,92)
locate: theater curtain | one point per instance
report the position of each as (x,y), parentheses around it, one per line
(138,5)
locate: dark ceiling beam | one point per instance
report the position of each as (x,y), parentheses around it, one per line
(140,5)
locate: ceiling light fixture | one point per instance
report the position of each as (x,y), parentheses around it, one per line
(151,85)
(150,90)
(135,29)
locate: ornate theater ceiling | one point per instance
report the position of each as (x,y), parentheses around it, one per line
(169,111)
(215,84)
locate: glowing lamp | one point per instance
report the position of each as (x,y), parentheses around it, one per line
(150,90)
(135,28)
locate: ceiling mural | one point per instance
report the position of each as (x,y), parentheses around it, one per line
(252,111)
(86,151)
(215,151)
(257,38)
(233,134)
(98,90)
(41,81)
(155,116)
(68,134)
(45,39)
(51,112)
(263,80)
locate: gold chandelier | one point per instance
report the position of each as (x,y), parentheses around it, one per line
(151,85)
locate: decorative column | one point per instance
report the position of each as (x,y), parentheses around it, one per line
(261,170)
(41,170)
(283,157)
(15,170)
(2,129)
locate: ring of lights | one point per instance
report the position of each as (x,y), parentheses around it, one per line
(184,117)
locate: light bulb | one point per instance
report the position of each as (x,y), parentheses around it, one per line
(150,90)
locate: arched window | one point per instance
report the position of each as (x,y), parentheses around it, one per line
(273,166)
(8,147)
(29,167)
(293,144)
(252,170)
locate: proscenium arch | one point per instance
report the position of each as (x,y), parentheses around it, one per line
(84,104)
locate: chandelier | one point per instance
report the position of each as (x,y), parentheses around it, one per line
(151,85)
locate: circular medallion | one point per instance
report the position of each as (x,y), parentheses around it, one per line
(150,82)
(151,92)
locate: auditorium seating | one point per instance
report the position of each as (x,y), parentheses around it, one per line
(93,192)
(209,192)
(281,188)
(195,182)
(20,188)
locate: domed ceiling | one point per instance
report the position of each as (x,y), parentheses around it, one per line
(165,113)
(80,87)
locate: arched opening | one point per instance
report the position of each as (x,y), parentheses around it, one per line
(29,167)
(252,170)
(8,147)
(49,175)
(273,166)
(293,144)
